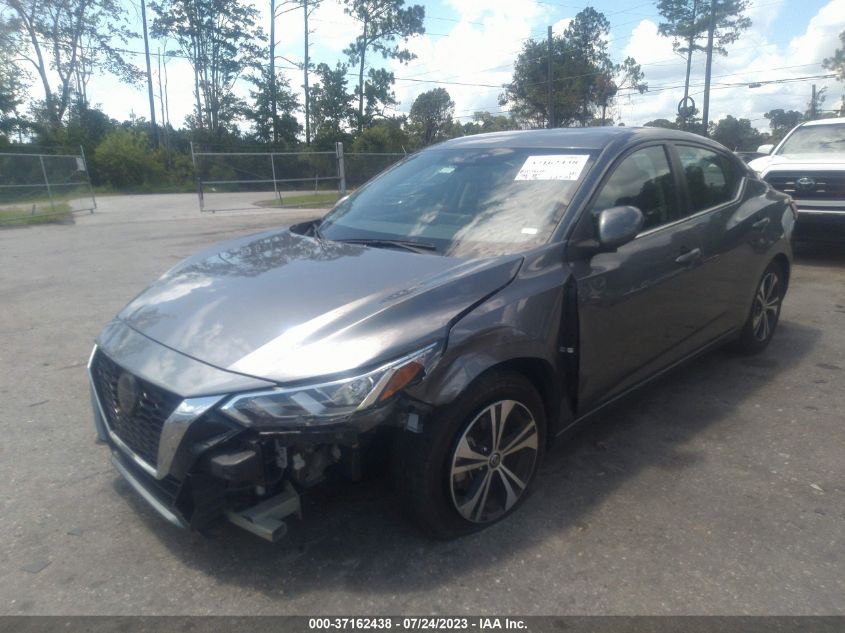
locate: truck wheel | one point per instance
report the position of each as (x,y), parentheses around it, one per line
(475,460)
(765,311)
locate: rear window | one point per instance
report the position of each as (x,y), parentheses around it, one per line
(712,178)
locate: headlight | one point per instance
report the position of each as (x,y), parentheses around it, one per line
(325,403)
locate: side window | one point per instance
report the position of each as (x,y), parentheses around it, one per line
(711,178)
(642,180)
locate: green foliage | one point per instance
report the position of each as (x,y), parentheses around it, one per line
(837,62)
(814,106)
(687,22)
(260,113)
(737,134)
(483,122)
(66,42)
(11,81)
(431,115)
(781,121)
(385,136)
(221,40)
(331,106)
(383,22)
(378,95)
(585,79)
(124,160)
(57,213)
(664,123)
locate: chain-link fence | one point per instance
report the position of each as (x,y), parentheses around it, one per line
(241,180)
(35,186)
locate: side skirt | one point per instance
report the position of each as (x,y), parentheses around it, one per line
(714,344)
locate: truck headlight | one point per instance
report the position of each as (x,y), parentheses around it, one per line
(328,402)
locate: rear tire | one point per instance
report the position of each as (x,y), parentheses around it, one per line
(763,317)
(475,460)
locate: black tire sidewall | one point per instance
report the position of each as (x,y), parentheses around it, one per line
(748,343)
(426,458)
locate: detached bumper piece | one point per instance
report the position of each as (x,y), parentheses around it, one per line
(267,518)
(160,500)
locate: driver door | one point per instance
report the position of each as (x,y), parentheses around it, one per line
(640,306)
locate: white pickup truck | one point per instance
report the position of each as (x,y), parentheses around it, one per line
(809,165)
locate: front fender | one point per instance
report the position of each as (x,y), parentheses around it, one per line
(520,327)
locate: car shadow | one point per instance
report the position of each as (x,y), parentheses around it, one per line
(353,537)
(820,253)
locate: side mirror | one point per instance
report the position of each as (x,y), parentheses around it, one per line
(765,149)
(618,226)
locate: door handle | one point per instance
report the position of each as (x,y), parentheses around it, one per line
(688,256)
(760,224)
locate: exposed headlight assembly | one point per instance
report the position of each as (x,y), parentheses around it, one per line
(329,402)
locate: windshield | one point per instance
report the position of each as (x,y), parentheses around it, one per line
(816,139)
(468,202)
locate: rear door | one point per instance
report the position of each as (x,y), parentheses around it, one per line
(640,307)
(733,229)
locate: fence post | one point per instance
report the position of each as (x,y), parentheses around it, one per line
(88,175)
(197,177)
(47,182)
(275,187)
(341,170)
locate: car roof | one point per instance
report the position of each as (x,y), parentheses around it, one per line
(594,138)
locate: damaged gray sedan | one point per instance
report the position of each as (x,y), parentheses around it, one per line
(453,315)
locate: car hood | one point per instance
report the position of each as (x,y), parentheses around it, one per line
(284,307)
(780,162)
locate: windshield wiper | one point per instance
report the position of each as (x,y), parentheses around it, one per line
(315,230)
(408,245)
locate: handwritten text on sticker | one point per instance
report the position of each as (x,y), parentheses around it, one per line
(553,167)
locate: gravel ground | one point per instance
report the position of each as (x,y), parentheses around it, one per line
(721,490)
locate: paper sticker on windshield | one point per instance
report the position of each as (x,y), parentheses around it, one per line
(553,167)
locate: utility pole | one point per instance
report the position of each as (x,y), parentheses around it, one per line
(149,75)
(161,105)
(273,71)
(690,44)
(813,104)
(550,102)
(305,78)
(705,115)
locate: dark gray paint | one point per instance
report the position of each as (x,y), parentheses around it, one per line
(275,306)
(640,308)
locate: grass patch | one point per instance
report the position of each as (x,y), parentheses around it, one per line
(322,199)
(21,216)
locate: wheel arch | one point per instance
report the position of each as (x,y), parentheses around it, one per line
(783,261)
(541,374)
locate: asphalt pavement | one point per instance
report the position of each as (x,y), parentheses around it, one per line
(720,490)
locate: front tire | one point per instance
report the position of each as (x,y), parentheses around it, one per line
(475,461)
(762,321)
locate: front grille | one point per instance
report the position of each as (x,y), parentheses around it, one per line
(140,427)
(826,185)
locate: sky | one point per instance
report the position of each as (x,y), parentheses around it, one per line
(470,45)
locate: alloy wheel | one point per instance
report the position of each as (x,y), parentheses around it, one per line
(766,307)
(493,461)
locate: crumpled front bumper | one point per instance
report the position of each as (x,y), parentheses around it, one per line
(208,465)
(159,503)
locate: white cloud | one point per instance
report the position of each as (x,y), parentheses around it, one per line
(753,58)
(487,35)
(480,49)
